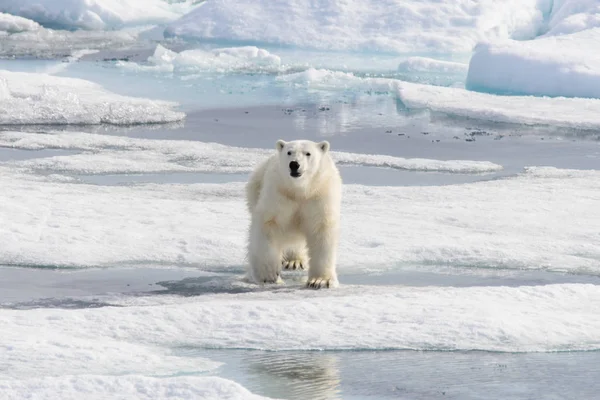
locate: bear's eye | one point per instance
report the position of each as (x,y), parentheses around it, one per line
(289,153)
(307,154)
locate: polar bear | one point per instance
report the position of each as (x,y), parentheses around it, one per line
(294,199)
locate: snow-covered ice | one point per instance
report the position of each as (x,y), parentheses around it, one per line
(391,25)
(570,16)
(561,317)
(574,113)
(510,223)
(97,14)
(31,98)
(113,154)
(567,65)
(235,59)
(424,64)
(12,24)
(50,43)
(130,387)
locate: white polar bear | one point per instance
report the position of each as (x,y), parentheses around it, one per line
(294,198)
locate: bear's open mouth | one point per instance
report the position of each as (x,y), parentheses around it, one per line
(295,174)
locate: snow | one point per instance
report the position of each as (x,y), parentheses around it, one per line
(97,14)
(567,65)
(33,98)
(560,317)
(49,43)
(570,16)
(562,61)
(112,154)
(510,223)
(564,112)
(372,25)
(11,24)
(132,387)
(234,59)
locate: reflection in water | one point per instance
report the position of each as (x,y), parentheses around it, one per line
(369,375)
(294,375)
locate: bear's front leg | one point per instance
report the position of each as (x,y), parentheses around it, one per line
(322,248)
(264,252)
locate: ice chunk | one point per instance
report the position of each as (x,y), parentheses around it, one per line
(573,113)
(570,16)
(32,98)
(113,154)
(370,25)
(49,43)
(131,387)
(97,14)
(11,24)
(566,65)
(424,64)
(510,223)
(247,59)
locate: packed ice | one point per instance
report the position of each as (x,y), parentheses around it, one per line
(32,98)
(130,387)
(234,59)
(393,25)
(485,224)
(113,154)
(529,110)
(565,65)
(97,14)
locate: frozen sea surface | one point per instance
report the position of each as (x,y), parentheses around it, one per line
(469,261)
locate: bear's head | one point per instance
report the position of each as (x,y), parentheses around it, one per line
(300,160)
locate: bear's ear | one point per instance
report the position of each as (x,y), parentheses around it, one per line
(280,145)
(324,146)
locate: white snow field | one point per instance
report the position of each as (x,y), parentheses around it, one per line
(528,110)
(131,387)
(97,14)
(114,154)
(512,223)
(373,25)
(32,98)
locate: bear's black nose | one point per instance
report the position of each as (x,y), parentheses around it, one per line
(294,165)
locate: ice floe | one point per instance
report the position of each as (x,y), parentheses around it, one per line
(32,98)
(12,24)
(576,113)
(424,64)
(131,387)
(113,154)
(97,14)
(510,223)
(565,65)
(560,317)
(394,25)
(234,59)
